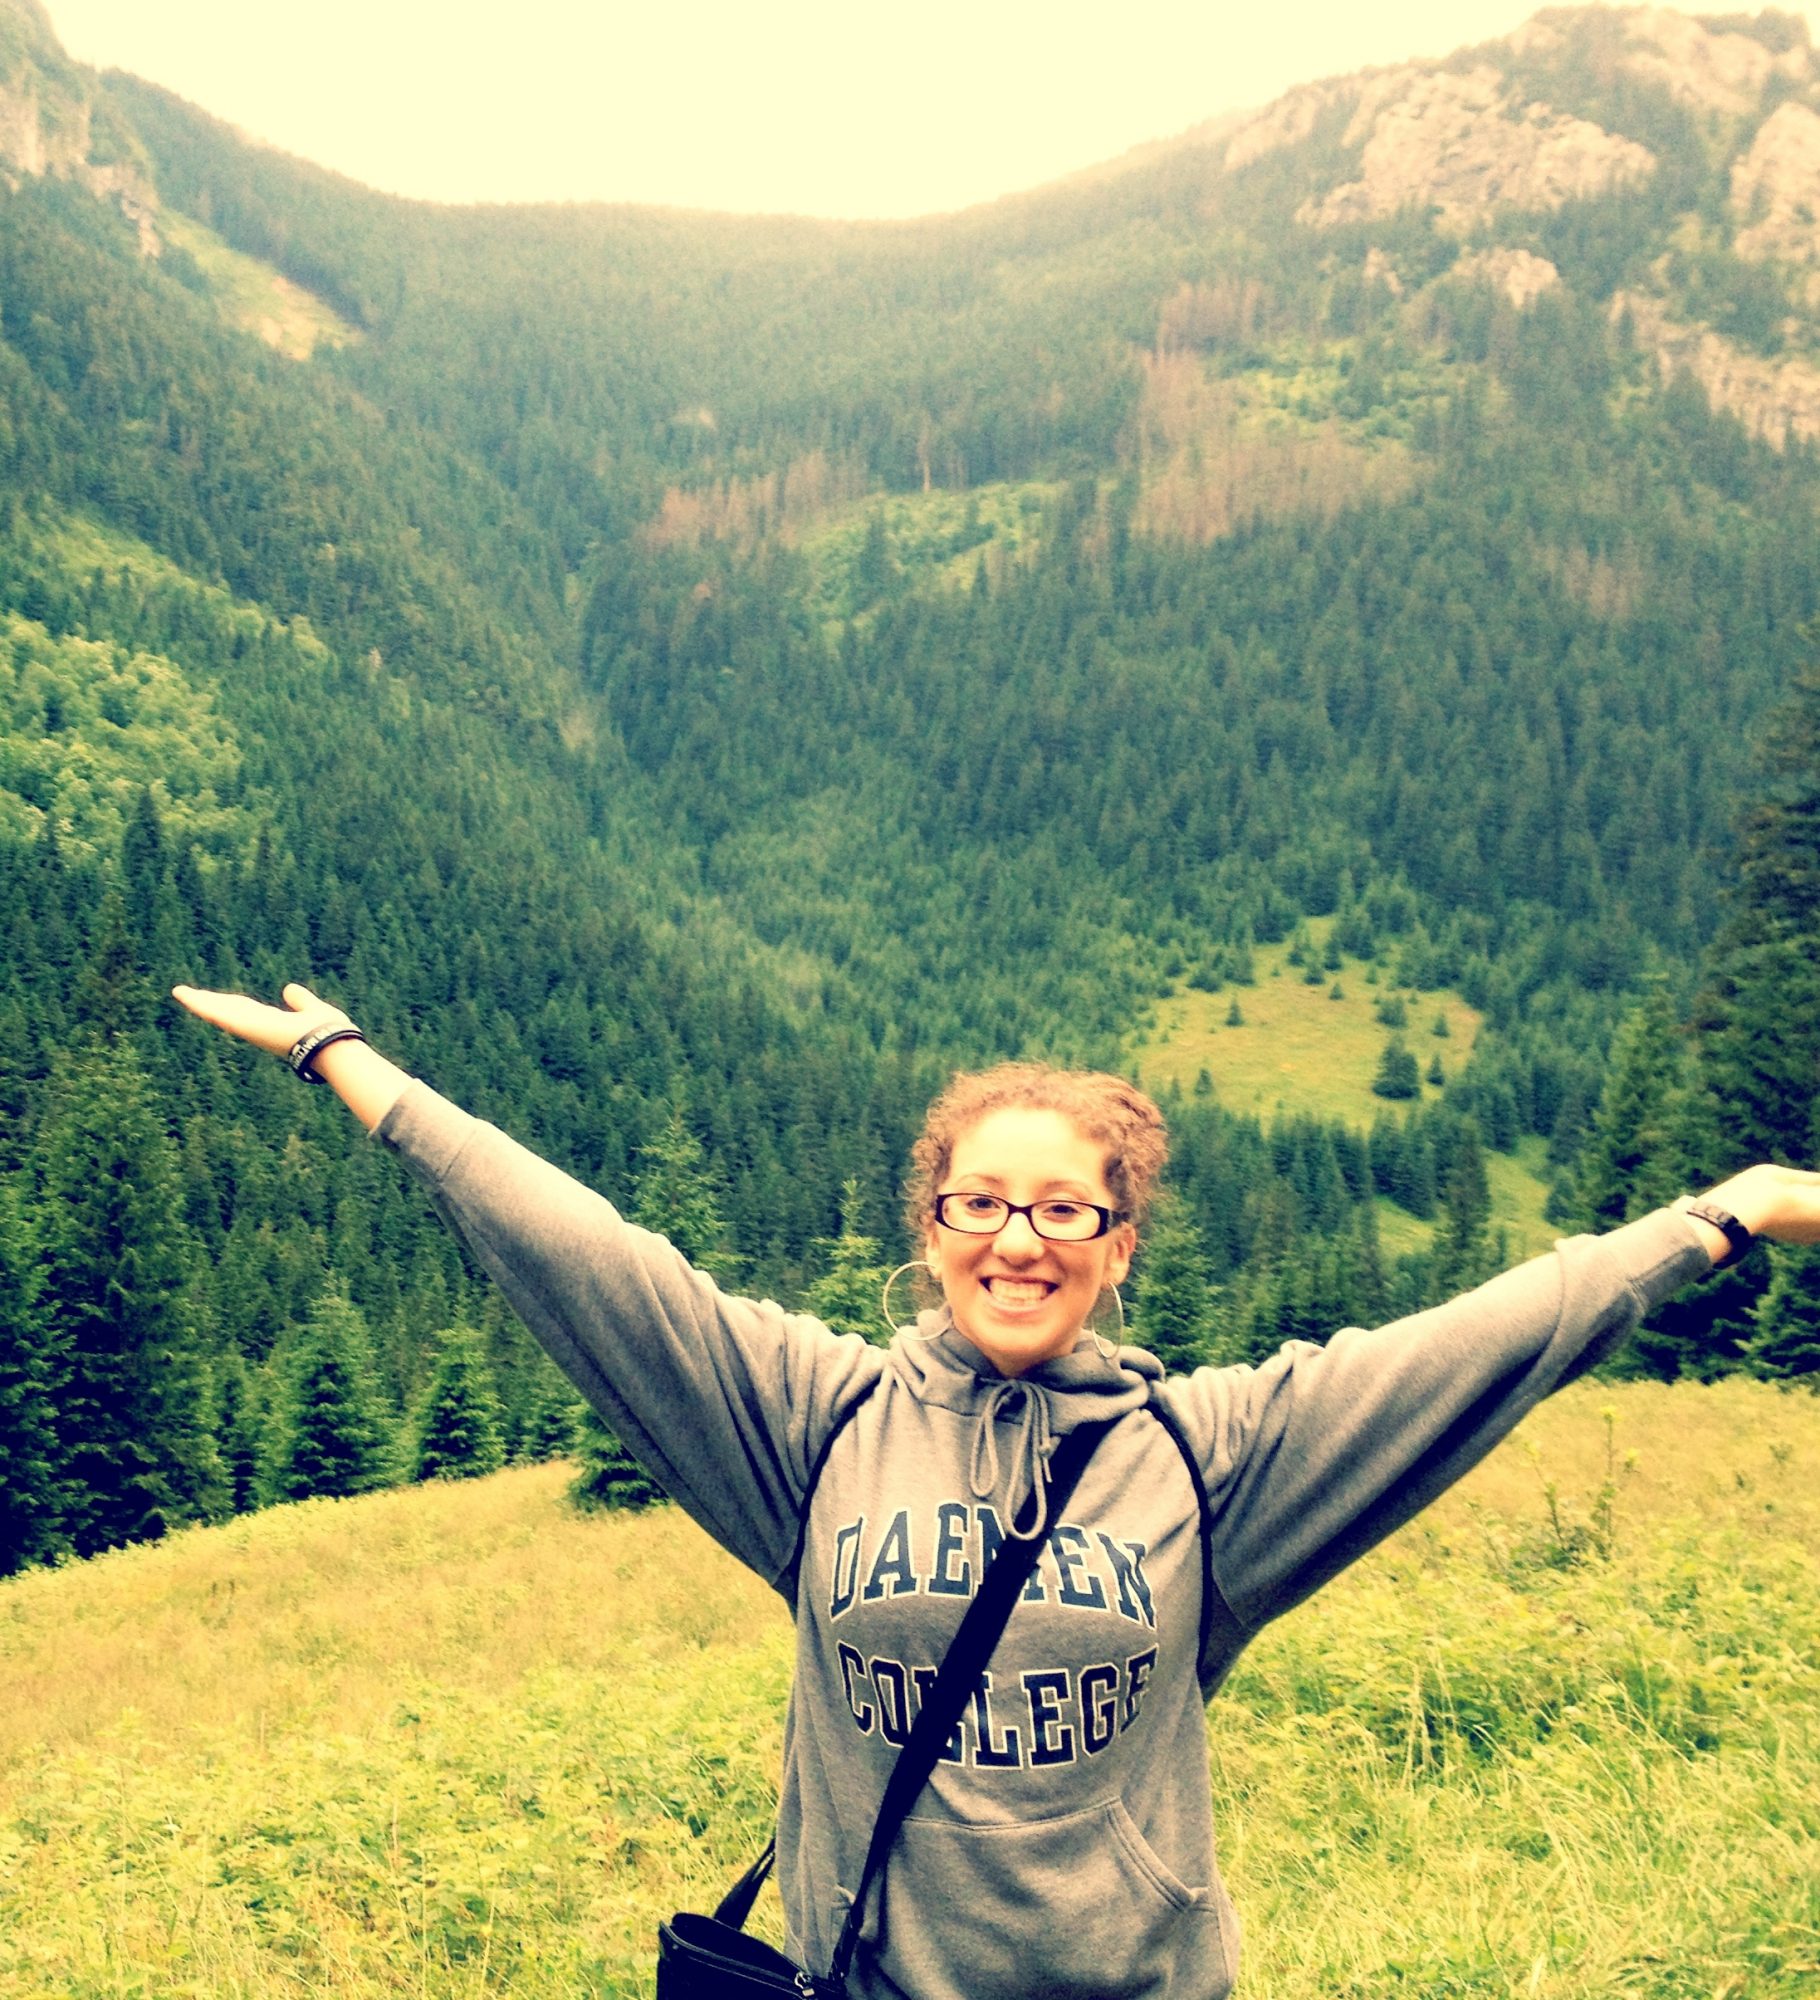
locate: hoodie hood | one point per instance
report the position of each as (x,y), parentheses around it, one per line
(942,1366)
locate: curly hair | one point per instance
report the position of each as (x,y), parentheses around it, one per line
(1107,1109)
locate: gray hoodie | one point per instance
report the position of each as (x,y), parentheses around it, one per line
(1064,1846)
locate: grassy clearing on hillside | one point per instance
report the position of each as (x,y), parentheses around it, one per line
(1301,1053)
(457,1741)
(1311,383)
(939,537)
(255,297)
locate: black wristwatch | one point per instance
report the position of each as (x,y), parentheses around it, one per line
(305,1051)
(1736,1235)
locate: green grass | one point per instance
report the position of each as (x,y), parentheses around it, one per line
(937,538)
(255,297)
(1298,1051)
(1301,1053)
(457,1741)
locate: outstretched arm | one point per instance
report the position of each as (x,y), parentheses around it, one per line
(357,1073)
(723,1400)
(1318,1453)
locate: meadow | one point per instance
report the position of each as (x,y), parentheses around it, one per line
(254,296)
(1310,1047)
(1558,1739)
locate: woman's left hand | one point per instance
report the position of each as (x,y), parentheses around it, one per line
(1781,1203)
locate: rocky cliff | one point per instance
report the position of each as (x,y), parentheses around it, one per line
(50,123)
(1497,134)
(1465,145)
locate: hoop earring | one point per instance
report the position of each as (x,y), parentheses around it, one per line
(1106,1351)
(884,1300)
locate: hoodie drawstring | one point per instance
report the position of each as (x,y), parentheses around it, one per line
(1033,1444)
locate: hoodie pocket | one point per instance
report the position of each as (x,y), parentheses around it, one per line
(1079,1907)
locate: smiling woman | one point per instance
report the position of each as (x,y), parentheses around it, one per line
(1062,1844)
(1021,1285)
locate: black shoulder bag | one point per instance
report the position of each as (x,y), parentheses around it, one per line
(711,1958)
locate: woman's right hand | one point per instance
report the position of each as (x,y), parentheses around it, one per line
(359,1075)
(277,1030)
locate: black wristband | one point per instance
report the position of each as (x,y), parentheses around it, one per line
(1736,1235)
(307,1048)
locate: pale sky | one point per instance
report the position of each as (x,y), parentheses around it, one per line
(820,107)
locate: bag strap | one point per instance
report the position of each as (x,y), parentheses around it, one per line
(839,1424)
(963,1664)
(736,1905)
(1211,1595)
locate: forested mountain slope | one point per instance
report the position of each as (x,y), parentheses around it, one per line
(688,680)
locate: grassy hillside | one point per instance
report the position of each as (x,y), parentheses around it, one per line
(1309,1047)
(255,297)
(1556,1739)
(1301,1048)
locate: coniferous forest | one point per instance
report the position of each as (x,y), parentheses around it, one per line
(687,683)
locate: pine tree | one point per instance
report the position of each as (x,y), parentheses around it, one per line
(875,568)
(1758,1015)
(457,1427)
(1171,1306)
(1757,1022)
(678,1197)
(1397,1075)
(847,1296)
(1386,1153)
(1633,1158)
(610,1476)
(334,1437)
(111,989)
(1462,1249)
(538,1408)
(240,1435)
(552,1416)
(1786,1346)
(31,1494)
(1366,1289)
(1421,1186)
(137,1456)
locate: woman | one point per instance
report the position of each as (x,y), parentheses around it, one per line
(1064,1846)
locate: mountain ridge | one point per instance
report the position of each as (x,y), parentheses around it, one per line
(1476,139)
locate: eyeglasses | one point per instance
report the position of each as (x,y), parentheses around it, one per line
(1057,1220)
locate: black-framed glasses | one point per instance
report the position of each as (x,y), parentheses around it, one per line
(1060,1219)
